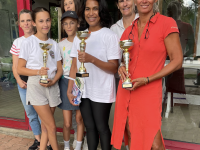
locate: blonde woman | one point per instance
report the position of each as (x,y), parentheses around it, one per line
(25,22)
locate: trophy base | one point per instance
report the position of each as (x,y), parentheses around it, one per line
(127,85)
(43,81)
(82,75)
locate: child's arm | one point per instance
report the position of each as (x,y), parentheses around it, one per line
(22,70)
(59,72)
(72,74)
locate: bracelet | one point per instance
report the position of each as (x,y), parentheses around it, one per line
(148,79)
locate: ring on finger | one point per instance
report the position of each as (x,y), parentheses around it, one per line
(120,75)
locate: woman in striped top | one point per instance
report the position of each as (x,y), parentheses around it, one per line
(25,22)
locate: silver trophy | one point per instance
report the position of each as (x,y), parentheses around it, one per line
(126,45)
(45,47)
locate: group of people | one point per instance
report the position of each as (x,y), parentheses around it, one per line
(137,115)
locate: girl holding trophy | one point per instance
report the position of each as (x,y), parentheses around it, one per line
(101,61)
(70,25)
(25,22)
(38,51)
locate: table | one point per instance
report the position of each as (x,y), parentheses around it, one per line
(186,64)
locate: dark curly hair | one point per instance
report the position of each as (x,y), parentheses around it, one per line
(105,17)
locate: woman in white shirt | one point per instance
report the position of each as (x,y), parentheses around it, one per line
(127,8)
(25,22)
(43,97)
(101,61)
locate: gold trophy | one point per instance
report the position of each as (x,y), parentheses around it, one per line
(126,45)
(82,35)
(45,47)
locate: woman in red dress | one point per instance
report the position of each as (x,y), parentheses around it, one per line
(138,109)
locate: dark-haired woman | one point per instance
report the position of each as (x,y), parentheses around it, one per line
(43,97)
(138,109)
(101,60)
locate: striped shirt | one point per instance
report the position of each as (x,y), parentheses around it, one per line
(15,49)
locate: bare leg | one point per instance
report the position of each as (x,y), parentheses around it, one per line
(44,137)
(158,143)
(37,137)
(67,114)
(80,125)
(128,132)
(48,126)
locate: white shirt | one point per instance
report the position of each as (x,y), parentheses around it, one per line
(15,49)
(65,49)
(33,54)
(104,45)
(119,28)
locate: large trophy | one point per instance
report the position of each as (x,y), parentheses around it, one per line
(126,45)
(45,47)
(82,35)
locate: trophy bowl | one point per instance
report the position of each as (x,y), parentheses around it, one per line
(126,45)
(45,47)
(82,35)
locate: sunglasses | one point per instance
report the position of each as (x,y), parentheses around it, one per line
(147,30)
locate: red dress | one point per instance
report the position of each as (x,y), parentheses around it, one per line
(143,105)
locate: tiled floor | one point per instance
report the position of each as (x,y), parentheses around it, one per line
(8,142)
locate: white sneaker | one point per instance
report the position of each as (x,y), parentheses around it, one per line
(75,140)
(66,148)
(85,146)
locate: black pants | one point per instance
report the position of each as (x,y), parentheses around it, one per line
(95,117)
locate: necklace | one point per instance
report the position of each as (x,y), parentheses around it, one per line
(145,24)
(140,25)
(147,30)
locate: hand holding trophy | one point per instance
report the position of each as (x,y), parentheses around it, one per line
(126,45)
(45,47)
(82,35)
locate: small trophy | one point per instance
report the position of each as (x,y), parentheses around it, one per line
(45,47)
(82,35)
(126,45)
